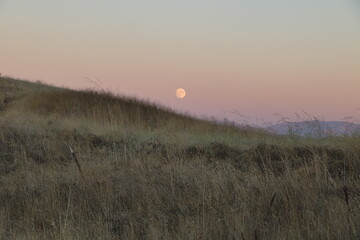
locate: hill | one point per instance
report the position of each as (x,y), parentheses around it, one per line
(92,165)
(316,128)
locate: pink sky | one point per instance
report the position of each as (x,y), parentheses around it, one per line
(256,58)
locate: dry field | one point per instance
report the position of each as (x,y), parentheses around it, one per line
(91,165)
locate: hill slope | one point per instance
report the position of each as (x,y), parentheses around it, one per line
(91,165)
(99,109)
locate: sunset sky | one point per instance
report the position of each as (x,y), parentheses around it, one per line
(261,58)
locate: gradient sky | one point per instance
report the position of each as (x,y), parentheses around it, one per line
(257,57)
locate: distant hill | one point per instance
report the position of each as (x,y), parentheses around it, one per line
(315,128)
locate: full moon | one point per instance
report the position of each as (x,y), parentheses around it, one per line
(180,93)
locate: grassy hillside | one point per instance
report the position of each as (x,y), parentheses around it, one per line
(91,165)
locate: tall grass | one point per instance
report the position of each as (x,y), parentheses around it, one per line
(106,108)
(227,184)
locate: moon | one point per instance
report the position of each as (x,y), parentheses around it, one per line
(180,93)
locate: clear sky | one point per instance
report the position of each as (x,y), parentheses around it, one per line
(257,57)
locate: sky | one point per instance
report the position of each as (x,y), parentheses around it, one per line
(244,60)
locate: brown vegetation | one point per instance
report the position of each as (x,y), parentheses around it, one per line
(141,171)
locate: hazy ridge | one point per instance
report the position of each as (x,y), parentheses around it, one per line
(316,128)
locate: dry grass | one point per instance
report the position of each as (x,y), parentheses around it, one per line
(150,173)
(107,109)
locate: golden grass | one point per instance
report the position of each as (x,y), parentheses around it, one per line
(151,173)
(104,108)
